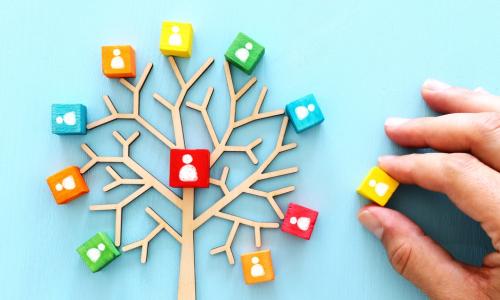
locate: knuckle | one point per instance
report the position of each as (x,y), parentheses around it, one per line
(457,163)
(400,257)
(488,124)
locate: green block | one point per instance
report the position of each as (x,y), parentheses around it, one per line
(98,251)
(244,53)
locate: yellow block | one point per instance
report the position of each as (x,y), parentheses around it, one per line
(176,39)
(257,267)
(378,186)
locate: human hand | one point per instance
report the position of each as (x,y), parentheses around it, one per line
(467,171)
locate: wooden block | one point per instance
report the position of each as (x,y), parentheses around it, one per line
(299,221)
(98,251)
(69,119)
(257,267)
(176,39)
(118,61)
(378,186)
(304,113)
(189,168)
(67,185)
(245,53)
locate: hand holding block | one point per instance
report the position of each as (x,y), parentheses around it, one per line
(98,251)
(257,267)
(378,186)
(118,61)
(69,119)
(190,168)
(244,53)
(304,113)
(176,39)
(299,221)
(67,185)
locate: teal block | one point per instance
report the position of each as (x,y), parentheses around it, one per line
(98,251)
(69,119)
(304,113)
(244,53)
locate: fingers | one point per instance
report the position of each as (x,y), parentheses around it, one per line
(478,133)
(470,184)
(447,99)
(417,257)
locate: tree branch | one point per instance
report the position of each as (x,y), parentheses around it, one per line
(237,221)
(118,180)
(257,176)
(144,175)
(222,181)
(269,196)
(144,243)
(204,113)
(248,149)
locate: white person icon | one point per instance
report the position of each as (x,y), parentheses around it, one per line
(188,172)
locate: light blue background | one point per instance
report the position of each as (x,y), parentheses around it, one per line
(364,61)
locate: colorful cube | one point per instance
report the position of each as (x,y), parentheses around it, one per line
(378,186)
(118,61)
(176,39)
(299,221)
(67,185)
(257,267)
(69,119)
(304,113)
(98,251)
(190,168)
(244,53)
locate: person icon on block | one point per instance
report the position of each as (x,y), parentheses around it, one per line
(257,269)
(302,222)
(379,187)
(117,62)
(243,53)
(95,253)
(302,112)
(188,172)
(175,38)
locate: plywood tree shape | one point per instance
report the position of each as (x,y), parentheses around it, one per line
(186,201)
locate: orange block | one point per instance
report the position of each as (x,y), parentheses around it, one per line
(257,267)
(67,185)
(118,61)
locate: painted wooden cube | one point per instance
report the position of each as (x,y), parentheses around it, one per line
(299,221)
(257,267)
(176,39)
(245,53)
(118,61)
(190,168)
(378,186)
(304,113)
(69,119)
(67,185)
(98,251)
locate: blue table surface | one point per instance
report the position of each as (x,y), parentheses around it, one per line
(363,60)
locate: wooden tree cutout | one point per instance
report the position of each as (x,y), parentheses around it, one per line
(185,202)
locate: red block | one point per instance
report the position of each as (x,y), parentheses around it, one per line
(299,221)
(189,168)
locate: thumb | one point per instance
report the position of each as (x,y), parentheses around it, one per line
(417,257)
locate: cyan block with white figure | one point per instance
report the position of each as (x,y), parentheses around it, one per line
(304,113)
(69,119)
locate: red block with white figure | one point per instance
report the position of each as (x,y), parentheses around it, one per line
(190,168)
(299,221)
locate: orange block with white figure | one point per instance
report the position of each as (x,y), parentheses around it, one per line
(67,185)
(118,61)
(257,267)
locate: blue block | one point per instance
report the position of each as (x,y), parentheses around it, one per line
(304,113)
(69,119)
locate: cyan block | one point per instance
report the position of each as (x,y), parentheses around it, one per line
(69,119)
(98,251)
(304,113)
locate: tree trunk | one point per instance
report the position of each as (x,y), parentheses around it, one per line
(187,280)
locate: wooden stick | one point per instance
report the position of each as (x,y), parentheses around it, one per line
(248,149)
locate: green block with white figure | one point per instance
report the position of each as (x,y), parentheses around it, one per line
(98,251)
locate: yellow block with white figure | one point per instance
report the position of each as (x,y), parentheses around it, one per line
(176,39)
(378,186)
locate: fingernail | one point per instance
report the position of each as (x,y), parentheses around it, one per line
(395,122)
(385,159)
(371,223)
(435,85)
